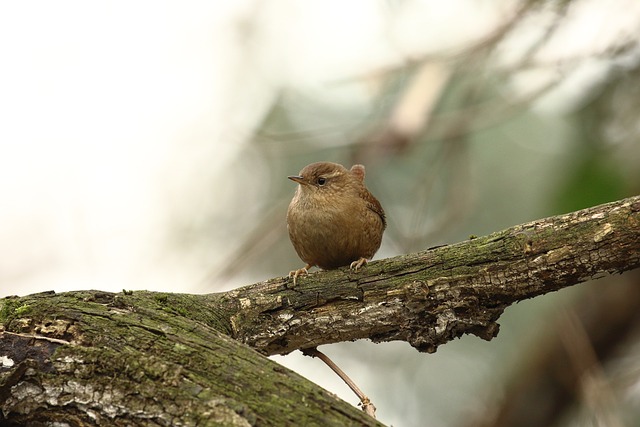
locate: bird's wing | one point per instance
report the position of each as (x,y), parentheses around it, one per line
(374,205)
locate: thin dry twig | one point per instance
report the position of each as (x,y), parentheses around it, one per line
(37,337)
(367,406)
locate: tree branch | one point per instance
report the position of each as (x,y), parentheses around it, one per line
(146,358)
(91,358)
(431,297)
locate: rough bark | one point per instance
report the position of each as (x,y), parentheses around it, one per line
(96,358)
(429,298)
(143,358)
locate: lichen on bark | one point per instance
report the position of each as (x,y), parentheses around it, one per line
(161,359)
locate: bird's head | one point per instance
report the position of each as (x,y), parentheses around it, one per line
(323,179)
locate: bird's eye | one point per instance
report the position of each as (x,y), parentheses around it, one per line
(321,181)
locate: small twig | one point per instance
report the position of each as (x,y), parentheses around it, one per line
(367,406)
(37,337)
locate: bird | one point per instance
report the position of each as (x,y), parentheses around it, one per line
(333,220)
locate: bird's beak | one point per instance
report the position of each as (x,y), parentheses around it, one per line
(300,180)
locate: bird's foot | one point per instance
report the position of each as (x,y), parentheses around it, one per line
(299,272)
(355,265)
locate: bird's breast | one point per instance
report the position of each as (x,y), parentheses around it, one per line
(333,234)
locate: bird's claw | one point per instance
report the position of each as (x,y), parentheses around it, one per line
(298,272)
(355,265)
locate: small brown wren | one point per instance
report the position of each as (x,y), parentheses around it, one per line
(333,220)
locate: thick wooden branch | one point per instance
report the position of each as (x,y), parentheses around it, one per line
(429,298)
(91,358)
(151,359)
